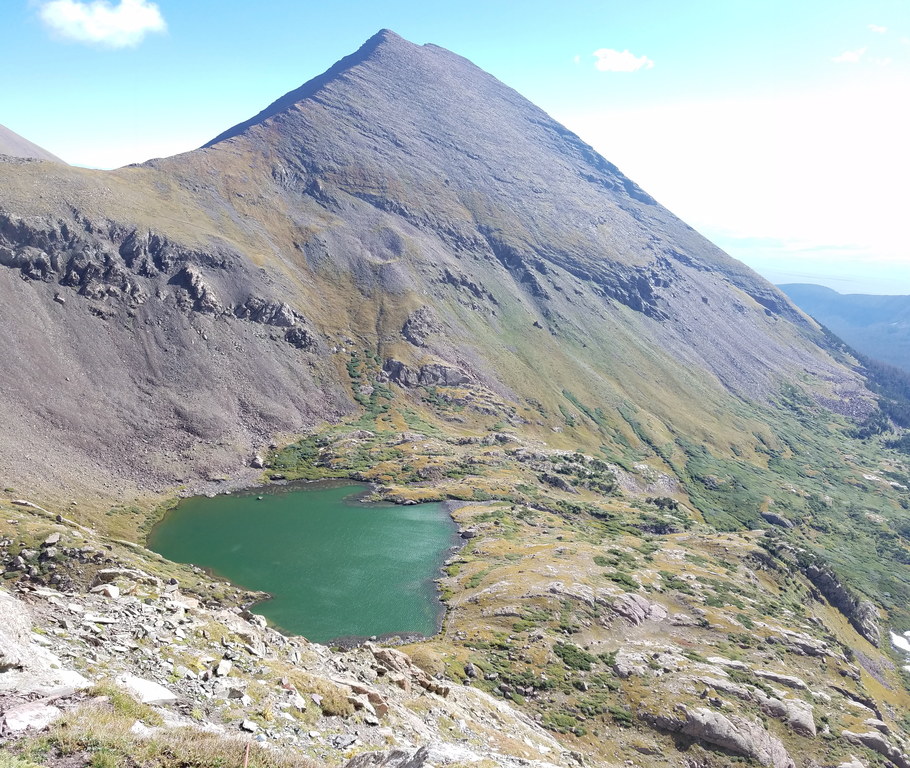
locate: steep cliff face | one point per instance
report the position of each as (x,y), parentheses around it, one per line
(195,306)
(129,353)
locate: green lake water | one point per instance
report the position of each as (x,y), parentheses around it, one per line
(335,567)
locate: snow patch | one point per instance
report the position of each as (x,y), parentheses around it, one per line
(900,642)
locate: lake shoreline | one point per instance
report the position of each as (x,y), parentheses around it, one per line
(358,498)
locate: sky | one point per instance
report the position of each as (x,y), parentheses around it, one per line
(777,129)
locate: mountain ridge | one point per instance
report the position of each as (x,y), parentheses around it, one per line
(14,145)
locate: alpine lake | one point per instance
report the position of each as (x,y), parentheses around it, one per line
(337,569)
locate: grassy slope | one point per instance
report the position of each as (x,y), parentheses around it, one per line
(636,509)
(507,618)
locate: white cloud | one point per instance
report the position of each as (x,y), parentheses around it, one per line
(609,60)
(576,59)
(850,57)
(879,30)
(117,26)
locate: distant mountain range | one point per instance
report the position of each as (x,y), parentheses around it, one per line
(877,326)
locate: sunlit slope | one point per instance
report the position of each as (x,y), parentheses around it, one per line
(405,203)
(14,145)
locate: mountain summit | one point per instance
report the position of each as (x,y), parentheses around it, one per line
(309,88)
(404,188)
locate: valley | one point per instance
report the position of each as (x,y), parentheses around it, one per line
(876,326)
(686,530)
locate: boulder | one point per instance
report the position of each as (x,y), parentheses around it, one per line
(25,665)
(789,680)
(392,758)
(343,740)
(141,730)
(876,741)
(721,661)
(629,664)
(734,733)
(147,691)
(250,630)
(372,698)
(637,608)
(34,716)
(15,631)
(402,671)
(108,590)
(298,702)
(775,519)
(108,575)
(798,714)
(879,725)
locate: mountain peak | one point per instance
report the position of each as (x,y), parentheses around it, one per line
(383,39)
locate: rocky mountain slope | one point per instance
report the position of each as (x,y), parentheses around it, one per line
(194,307)
(877,326)
(14,145)
(684,545)
(566,643)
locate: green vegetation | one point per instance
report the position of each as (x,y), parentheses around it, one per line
(574,657)
(892,385)
(623,579)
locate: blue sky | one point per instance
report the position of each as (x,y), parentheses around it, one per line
(778,129)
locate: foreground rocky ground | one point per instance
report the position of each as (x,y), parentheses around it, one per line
(569,640)
(114,658)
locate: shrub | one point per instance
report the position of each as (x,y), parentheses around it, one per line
(574,657)
(621,716)
(623,579)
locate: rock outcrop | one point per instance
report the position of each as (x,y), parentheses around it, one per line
(637,608)
(420,325)
(877,742)
(429,375)
(733,733)
(27,666)
(861,613)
